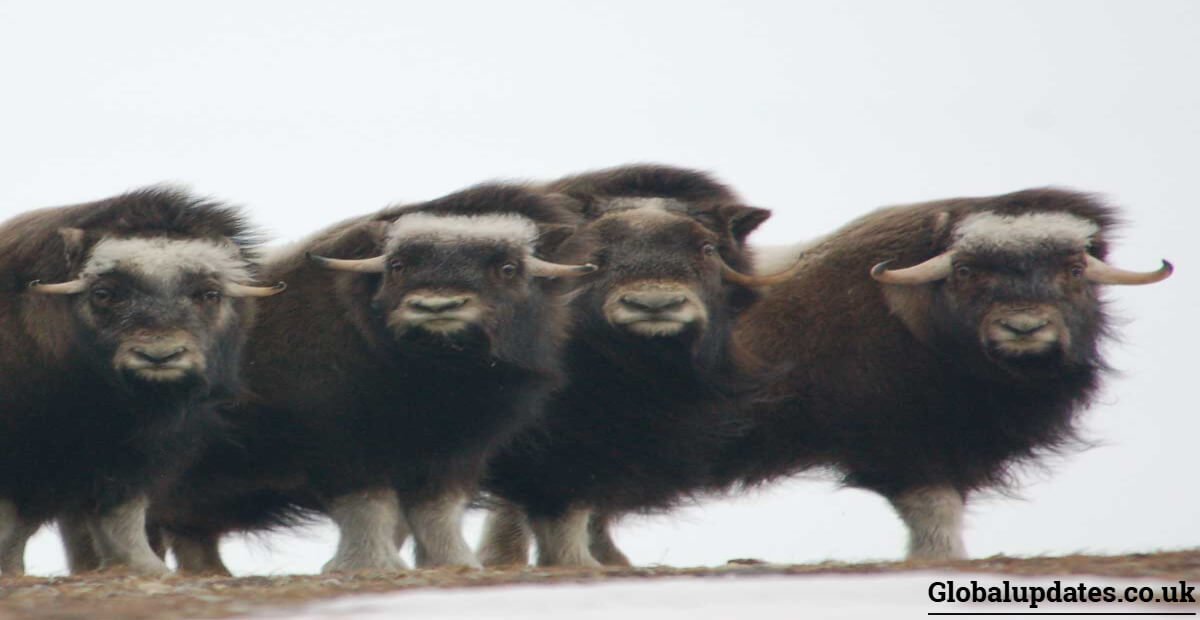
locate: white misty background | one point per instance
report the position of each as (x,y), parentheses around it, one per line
(308,112)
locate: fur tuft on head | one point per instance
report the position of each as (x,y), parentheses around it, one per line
(694,187)
(164,258)
(990,231)
(504,227)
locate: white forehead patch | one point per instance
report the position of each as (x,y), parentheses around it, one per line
(166,259)
(990,231)
(504,227)
(653,203)
(644,212)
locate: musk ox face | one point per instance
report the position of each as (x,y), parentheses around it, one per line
(457,282)
(1019,289)
(1022,310)
(453,292)
(662,273)
(158,311)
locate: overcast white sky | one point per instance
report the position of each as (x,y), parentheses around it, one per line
(306,112)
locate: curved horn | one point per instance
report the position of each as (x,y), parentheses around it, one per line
(932,270)
(732,275)
(376,264)
(545,269)
(234,289)
(73,287)
(1101,272)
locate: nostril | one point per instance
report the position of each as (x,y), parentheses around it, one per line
(637,303)
(653,302)
(159,356)
(1024,327)
(438,304)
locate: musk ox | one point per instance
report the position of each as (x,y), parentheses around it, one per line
(933,348)
(413,343)
(120,320)
(654,379)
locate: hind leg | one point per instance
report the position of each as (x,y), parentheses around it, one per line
(563,540)
(437,523)
(602,545)
(14,533)
(120,538)
(934,516)
(199,554)
(78,544)
(367,523)
(506,537)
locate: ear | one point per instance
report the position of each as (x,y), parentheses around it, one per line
(369,237)
(940,221)
(72,240)
(376,231)
(582,204)
(362,240)
(939,227)
(550,236)
(573,204)
(742,220)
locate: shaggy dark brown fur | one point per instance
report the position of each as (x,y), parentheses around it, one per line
(75,437)
(894,387)
(637,424)
(340,404)
(895,410)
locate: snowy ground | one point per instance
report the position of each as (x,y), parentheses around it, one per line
(888,596)
(736,589)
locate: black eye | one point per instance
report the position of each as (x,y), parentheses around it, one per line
(1077,271)
(102,296)
(962,271)
(211,296)
(708,249)
(508,270)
